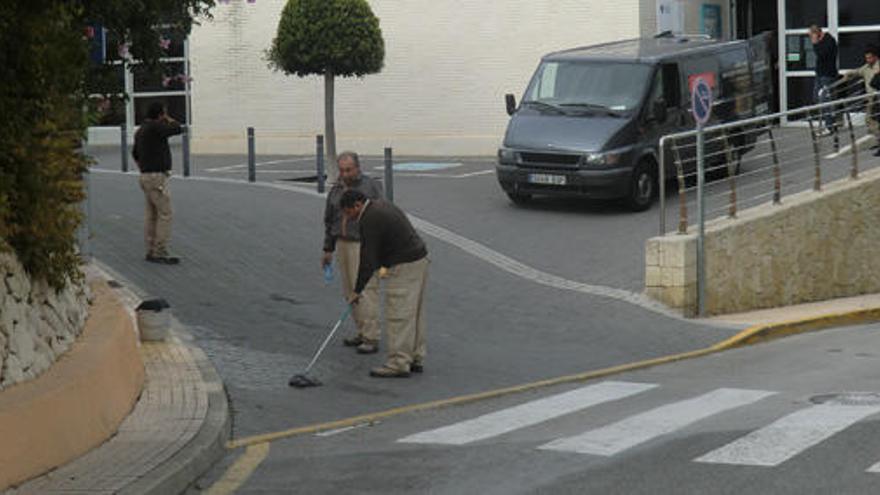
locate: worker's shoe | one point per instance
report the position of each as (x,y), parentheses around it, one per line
(877,153)
(386,372)
(163,259)
(367,348)
(353,341)
(416,367)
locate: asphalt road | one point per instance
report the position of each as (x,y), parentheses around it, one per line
(251,291)
(798,416)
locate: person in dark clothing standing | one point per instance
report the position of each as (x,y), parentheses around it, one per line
(390,244)
(825,47)
(153,158)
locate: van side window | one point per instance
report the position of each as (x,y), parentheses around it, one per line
(671,85)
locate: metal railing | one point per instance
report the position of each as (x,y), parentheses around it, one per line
(759,159)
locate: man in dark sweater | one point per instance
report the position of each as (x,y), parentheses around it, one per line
(825,47)
(153,157)
(390,244)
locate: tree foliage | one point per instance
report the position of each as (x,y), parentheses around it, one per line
(341,37)
(43,67)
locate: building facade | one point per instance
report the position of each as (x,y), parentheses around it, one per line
(447,67)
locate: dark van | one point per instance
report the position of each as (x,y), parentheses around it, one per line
(591,118)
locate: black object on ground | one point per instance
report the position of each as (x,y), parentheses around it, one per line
(303,380)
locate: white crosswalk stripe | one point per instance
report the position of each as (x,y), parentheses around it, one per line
(789,435)
(528,414)
(638,429)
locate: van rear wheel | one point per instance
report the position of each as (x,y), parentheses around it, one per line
(643,188)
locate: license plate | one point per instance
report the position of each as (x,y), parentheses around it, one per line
(553,180)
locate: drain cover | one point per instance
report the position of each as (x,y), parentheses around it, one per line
(848,399)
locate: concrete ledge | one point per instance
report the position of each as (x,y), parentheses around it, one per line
(79,402)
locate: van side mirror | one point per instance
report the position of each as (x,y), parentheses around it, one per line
(510,100)
(658,110)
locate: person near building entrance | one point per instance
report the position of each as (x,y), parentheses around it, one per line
(390,245)
(825,47)
(342,236)
(153,158)
(872,110)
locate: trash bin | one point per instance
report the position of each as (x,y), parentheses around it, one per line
(153,319)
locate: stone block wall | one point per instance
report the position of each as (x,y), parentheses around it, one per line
(37,323)
(814,246)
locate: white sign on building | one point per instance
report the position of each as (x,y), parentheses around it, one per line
(670,16)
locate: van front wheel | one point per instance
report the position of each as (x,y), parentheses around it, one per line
(643,188)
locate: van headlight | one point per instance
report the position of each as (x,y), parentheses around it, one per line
(602,159)
(506,155)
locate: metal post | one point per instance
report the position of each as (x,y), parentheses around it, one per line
(682,194)
(662,173)
(854,172)
(817,181)
(123,145)
(185,145)
(731,175)
(319,162)
(389,176)
(777,172)
(252,155)
(701,233)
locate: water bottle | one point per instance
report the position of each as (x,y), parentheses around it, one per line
(328,273)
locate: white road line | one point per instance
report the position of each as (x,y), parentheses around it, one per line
(789,435)
(528,414)
(874,469)
(638,429)
(258,164)
(444,176)
(473,248)
(846,149)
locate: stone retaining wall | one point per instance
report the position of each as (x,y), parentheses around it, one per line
(37,324)
(813,247)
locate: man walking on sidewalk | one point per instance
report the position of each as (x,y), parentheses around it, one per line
(872,108)
(342,236)
(153,158)
(389,242)
(825,47)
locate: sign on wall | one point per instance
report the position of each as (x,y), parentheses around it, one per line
(670,16)
(710,20)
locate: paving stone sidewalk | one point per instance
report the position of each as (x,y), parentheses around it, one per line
(178,428)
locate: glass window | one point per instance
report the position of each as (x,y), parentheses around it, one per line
(800,92)
(802,13)
(169,77)
(176,106)
(852,48)
(858,12)
(618,86)
(799,53)
(107,111)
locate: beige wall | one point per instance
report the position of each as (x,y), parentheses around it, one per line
(447,67)
(813,247)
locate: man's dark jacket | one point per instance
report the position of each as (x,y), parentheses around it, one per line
(387,239)
(151,150)
(826,56)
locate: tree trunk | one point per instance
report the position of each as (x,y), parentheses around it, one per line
(330,126)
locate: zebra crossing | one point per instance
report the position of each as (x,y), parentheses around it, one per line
(768,446)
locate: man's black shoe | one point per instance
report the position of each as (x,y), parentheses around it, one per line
(877,153)
(353,341)
(416,367)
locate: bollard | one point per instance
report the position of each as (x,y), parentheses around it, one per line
(389,176)
(731,175)
(252,156)
(319,162)
(777,171)
(682,193)
(123,145)
(185,145)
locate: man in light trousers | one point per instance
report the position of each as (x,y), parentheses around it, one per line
(342,236)
(390,243)
(153,158)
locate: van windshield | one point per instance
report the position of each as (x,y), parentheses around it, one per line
(618,87)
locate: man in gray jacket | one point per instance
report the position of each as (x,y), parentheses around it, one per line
(342,236)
